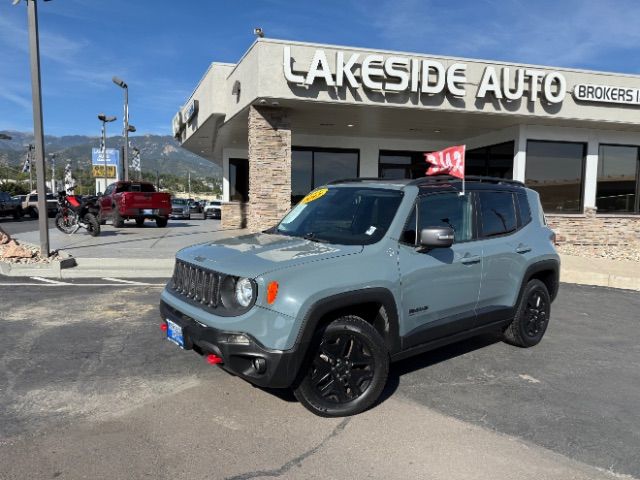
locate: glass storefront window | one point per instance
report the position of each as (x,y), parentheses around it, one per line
(556,171)
(313,167)
(491,161)
(400,164)
(618,167)
(239,179)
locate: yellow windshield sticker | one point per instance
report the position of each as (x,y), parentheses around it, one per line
(316,194)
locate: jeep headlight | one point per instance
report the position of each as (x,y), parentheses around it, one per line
(244,292)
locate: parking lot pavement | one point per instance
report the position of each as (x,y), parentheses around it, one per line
(89,389)
(25,224)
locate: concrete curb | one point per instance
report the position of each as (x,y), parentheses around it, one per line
(600,272)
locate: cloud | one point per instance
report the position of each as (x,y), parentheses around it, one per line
(571,33)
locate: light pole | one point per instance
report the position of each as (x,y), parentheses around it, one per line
(104,119)
(126,129)
(53,172)
(38,129)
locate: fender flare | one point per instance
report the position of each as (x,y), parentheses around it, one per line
(318,310)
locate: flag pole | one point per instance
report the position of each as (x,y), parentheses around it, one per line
(464,151)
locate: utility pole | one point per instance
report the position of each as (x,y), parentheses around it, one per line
(189,183)
(38,129)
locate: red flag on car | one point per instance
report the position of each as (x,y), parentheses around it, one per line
(449,161)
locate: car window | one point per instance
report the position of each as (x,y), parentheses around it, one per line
(179,201)
(3,197)
(497,213)
(442,210)
(33,198)
(50,196)
(523,209)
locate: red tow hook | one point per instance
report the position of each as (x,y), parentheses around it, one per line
(213,359)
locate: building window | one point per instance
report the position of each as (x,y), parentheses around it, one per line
(313,167)
(491,161)
(239,179)
(401,164)
(556,171)
(618,169)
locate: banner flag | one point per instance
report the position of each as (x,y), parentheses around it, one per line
(449,161)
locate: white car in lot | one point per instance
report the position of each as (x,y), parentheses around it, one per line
(213,209)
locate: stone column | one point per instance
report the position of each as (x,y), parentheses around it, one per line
(269,167)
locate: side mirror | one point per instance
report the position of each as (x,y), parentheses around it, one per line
(437,237)
(99,194)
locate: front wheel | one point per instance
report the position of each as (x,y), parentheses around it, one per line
(17,214)
(532,316)
(161,222)
(139,221)
(117,220)
(33,212)
(346,371)
(93,225)
(66,223)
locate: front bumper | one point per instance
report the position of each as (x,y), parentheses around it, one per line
(253,362)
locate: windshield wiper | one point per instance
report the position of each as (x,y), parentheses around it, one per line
(311,236)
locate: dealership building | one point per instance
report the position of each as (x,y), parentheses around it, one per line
(291,116)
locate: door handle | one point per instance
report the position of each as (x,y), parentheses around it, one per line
(470,259)
(523,249)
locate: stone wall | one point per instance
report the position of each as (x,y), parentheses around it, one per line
(234,215)
(596,230)
(269,167)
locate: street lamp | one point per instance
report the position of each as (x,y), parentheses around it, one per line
(123,85)
(104,119)
(38,129)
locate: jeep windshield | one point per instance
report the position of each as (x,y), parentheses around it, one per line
(342,215)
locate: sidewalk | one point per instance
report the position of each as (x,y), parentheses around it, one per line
(150,251)
(124,252)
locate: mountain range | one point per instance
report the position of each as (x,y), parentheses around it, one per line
(157,152)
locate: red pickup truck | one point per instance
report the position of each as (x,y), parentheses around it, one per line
(137,200)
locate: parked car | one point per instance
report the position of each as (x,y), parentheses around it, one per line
(361,273)
(180,208)
(10,207)
(213,209)
(30,205)
(134,200)
(195,206)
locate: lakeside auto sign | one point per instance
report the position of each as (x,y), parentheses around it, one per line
(402,74)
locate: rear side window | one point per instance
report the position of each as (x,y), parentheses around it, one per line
(497,213)
(523,209)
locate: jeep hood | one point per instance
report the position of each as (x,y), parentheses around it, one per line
(256,254)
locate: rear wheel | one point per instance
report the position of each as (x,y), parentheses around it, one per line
(93,225)
(532,316)
(17,214)
(346,371)
(33,212)
(117,220)
(161,222)
(139,221)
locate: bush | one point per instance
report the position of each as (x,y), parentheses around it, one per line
(14,188)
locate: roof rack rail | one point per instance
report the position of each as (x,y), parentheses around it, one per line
(354,180)
(471,178)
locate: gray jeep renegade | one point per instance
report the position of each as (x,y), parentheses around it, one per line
(361,273)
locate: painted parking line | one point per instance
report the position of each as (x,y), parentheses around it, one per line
(47,282)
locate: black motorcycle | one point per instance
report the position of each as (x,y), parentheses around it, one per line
(75,211)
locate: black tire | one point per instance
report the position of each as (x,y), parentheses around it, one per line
(101,220)
(93,225)
(346,369)
(532,316)
(17,214)
(139,221)
(33,212)
(66,225)
(161,222)
(117,220)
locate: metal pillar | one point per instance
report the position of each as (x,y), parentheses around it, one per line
(38,130)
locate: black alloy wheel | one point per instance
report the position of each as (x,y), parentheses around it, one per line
(532,317)
(346,371)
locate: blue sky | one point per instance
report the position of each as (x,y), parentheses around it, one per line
(163,47)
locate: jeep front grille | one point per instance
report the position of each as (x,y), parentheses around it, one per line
(197,284)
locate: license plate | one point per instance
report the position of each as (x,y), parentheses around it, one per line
(148,211)
(174,333)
